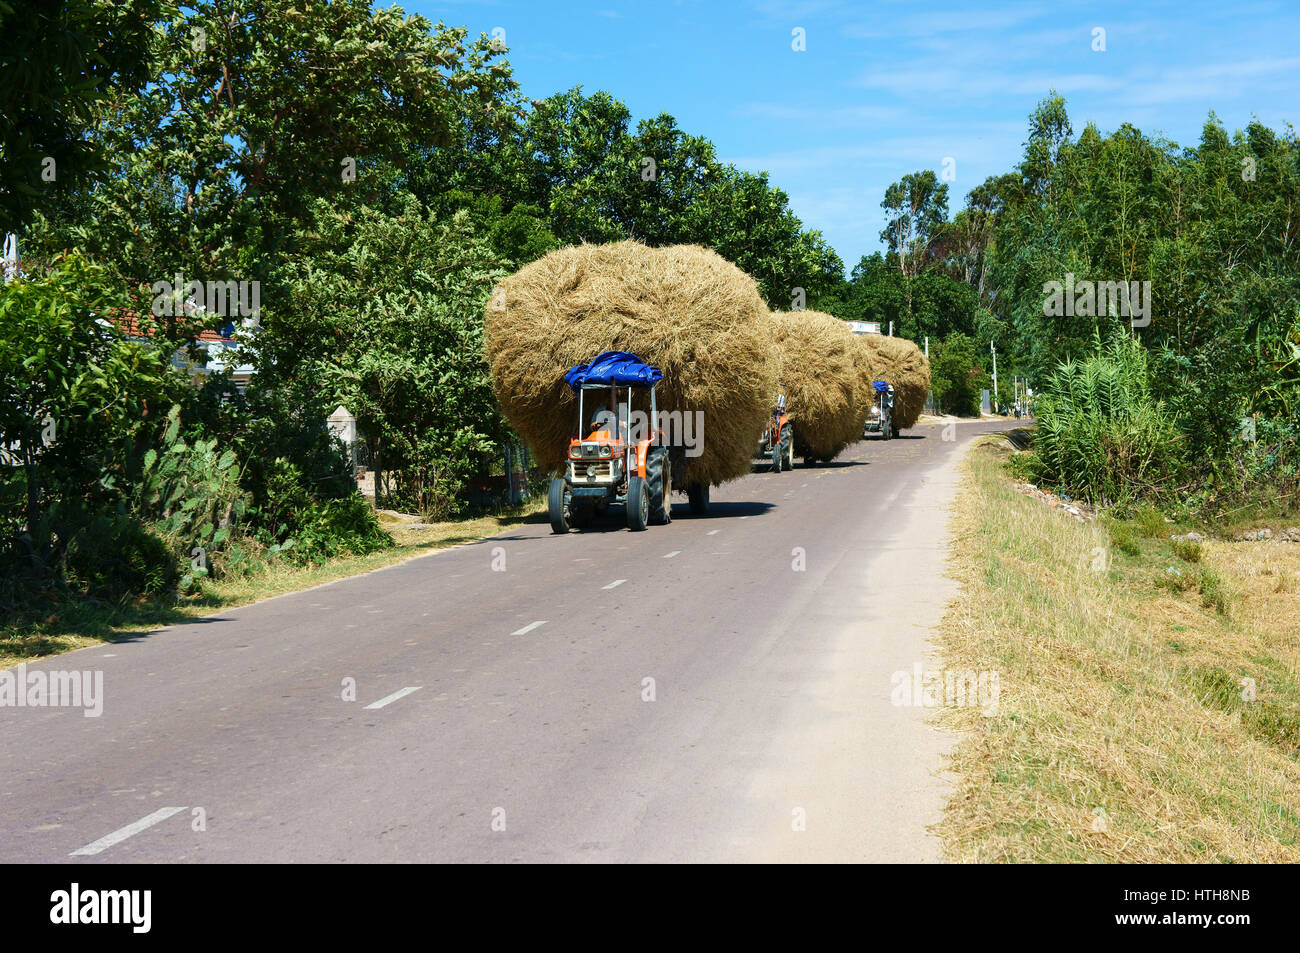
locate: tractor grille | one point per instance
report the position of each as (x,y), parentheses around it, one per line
(599,470)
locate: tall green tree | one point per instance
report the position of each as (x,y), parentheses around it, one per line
(60,61)
(394,308)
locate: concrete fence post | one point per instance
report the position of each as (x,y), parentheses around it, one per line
(344,426)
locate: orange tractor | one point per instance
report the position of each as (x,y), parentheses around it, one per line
(777,442)
(613,458)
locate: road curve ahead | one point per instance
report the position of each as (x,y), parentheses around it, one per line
(713,690)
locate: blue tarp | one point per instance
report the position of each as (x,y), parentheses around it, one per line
(614,367)
(881,386)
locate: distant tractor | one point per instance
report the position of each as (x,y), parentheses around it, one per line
(777,443)
(607,462)
(880,418)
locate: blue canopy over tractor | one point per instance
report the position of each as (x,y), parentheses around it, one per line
(880,386)
(616,368)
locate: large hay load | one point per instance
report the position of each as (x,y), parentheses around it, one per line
(817,369)
(684,309)
(869,368)
(900,362)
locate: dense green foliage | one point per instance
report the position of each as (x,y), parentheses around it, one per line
(956,375)
(60,61)
(75,402)
(1102,433)
(1211,236)
(119,477)
(374,175)
(399,300)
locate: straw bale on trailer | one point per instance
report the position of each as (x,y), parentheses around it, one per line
(683,308)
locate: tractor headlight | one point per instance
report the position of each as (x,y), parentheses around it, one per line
(575,452)
(591,472)
(606,451)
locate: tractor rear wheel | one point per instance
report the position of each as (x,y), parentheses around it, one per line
(698,494)
(558,501)
(638,504)
(787,447)
(659,483)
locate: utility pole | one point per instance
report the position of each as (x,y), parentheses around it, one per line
(995,376)
(10,257)
(927,347)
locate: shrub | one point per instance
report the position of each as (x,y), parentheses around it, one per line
(192,493)
(1149,521)
(1101,435)
(114,557)
(346,526)
(1214,593)
(1121,536)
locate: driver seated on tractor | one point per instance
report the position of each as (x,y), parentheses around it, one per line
(603,417)
(779,409)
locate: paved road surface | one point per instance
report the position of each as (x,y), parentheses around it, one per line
(530,736)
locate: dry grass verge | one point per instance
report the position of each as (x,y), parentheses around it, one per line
(1127,729)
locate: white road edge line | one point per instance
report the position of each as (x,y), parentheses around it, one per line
(389,699)
(675,552)
(615,583)
(121,834)
(528,628)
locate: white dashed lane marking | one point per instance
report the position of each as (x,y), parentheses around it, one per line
(528,628)
(123,833)
(389,699)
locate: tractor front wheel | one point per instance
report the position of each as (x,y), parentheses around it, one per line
(638,504)
(787,448)
(698,495)
(659,483)
(558,501)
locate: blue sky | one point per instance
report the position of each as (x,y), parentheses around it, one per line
(886,88)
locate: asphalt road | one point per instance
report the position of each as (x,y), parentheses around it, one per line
(716,689)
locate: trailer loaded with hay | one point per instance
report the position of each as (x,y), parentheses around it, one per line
(902,365)
(683,310)
(816,359)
